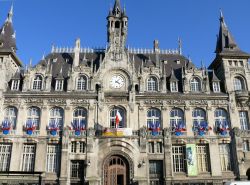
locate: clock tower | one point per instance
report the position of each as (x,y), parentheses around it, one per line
(117,29)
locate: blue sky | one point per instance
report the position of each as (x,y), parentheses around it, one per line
(41,23)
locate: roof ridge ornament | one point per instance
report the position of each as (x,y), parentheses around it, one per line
(10,14)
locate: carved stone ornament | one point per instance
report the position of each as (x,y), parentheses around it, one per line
(11,100)
(143,132)
(79,101)
(56,101)
(33,100)
(153,102)
(236,131)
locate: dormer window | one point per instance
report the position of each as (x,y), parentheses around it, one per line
(59,85)
(37,83)
(216,87)
(82,83)
(195,85)
(152,84)
(15,85)
(174,86)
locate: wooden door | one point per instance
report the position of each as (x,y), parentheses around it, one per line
(115,171)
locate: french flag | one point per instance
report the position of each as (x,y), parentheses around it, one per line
(118,118)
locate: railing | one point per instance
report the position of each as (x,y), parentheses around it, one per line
(73,133)
(10,132)
(34,133)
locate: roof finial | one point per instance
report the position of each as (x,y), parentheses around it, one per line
(179,45)
(221,15)
(10,14)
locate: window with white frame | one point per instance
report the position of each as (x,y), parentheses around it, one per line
(152,84)
(221,118)
(225,157)
(59,85)
(77,168)
(10,115)
(155,147)
(15,85)
(239,84)
(56,117)
(245,145)
(244,121)
(178,156)
(117,118)
(216,87)
(151,148)
(199,116)
(5,154)
(73,146)
(155,172)
(202,154)
(82,83)
(80,117)
(37,82)
(195,85)
(52,158)
(82,146)
(33,116)
(28,157)
(174,86)
(154,118)
(176,118)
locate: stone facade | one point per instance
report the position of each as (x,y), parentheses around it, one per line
(123,116)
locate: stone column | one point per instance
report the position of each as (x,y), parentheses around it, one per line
(44,120)
(21,119)
(165,117)
(65,161)
(189,121)
(215,159)
(40,160)
(16,159)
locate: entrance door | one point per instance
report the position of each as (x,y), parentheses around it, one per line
(116,171)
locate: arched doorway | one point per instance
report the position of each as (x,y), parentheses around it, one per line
(248,174)
(116,171)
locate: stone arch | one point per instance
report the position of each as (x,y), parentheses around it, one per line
(124,156)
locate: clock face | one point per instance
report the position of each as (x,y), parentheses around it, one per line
(116,81)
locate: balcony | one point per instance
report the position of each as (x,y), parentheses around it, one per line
(242,96)
(77,133)
(7,133)
(31,133)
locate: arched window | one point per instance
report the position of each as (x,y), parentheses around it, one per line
(221,118)
(152,84)
(195,85)
(10,115)
(176,118)
(153,118)
(239,84)
(56,117)
(33,117)
(80,118)
(117,118)
(37,83)
(82,83)
(199,116)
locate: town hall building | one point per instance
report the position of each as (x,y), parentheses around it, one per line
(123,116)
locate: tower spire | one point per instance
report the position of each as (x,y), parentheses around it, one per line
(225,40)
(117,8)
(8,35)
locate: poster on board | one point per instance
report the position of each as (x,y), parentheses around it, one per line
(191,160)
